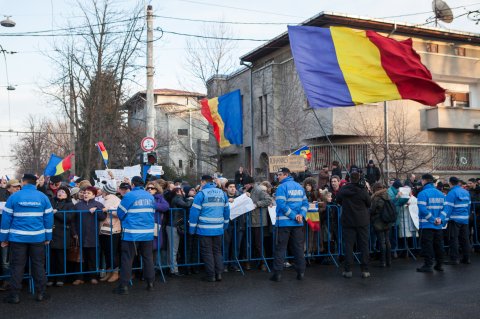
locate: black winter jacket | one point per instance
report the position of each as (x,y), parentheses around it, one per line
(355,203)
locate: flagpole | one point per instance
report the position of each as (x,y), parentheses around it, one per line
(296,150)
(329,141)
(385,122)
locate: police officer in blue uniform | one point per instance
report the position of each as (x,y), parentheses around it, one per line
(136,213)
(431,215)
(292,206)
(209,217)
(27,228)
(457,211)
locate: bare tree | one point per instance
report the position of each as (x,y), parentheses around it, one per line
(44,137)
(405,149)
(211,54)
(208,56)
(93,66)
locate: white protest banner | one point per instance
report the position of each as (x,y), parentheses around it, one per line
(405,191)
(156,170)
(131,171)
(241,205)
(413,210)
(272,211)
(102,175)
(293,162)
(2,205)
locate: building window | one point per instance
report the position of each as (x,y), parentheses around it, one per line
(190,163)
(456,99)
(432,47)
(460,51)
(183,131)
(180,164)
(263,115)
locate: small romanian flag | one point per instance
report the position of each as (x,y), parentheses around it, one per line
(313,219)
(56,165)
(305,152)
(103,152)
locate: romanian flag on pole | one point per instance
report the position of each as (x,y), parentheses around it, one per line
(340,66)
(304,151)
(103,152)
(56,165)
(224,113)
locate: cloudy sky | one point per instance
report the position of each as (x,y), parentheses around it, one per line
(30,69)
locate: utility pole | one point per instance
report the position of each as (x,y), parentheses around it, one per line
(72,127)
(150,108)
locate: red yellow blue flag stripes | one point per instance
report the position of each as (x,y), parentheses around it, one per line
(103,152)
(56,165)
(340,66)
(224,113)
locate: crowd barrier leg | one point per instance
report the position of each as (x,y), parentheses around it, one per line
(405,239)
(264,260)
(159,242)
(235,247)
(329,236)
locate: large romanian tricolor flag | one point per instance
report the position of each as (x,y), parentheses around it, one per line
(224,113)
(103,152)
(340,66)
(56,165)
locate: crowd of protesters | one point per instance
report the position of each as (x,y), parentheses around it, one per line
(354,198)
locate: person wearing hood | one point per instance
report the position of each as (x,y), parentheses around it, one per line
(92,213)
(355,221)
(110,232)
(382,229)
(62,206)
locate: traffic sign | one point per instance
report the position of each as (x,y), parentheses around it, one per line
(148,144)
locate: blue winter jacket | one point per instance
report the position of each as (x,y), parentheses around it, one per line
(430,206)
(27,217)
(291,201)
(136,212)
(457,205)
(210,212)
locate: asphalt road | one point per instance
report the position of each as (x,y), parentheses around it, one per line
(399,292)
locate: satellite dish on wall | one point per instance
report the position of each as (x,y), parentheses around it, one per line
(442,11)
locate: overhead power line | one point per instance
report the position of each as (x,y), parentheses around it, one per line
(224,22)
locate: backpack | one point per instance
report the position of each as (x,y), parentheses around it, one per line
(389,213)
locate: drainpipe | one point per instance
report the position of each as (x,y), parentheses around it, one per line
(252,146)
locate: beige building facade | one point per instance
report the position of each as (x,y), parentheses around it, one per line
(444,139)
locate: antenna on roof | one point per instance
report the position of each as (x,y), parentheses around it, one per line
(442,11)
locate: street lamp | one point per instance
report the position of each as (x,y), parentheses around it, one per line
(7,22)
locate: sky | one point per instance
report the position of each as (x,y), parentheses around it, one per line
(30,70)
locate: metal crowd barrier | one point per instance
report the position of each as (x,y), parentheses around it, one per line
(238,249)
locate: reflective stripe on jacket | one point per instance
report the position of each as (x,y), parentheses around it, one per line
(457,205)
(430,206)
(210,212)
(27,217)
(291,201)
(136,212)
